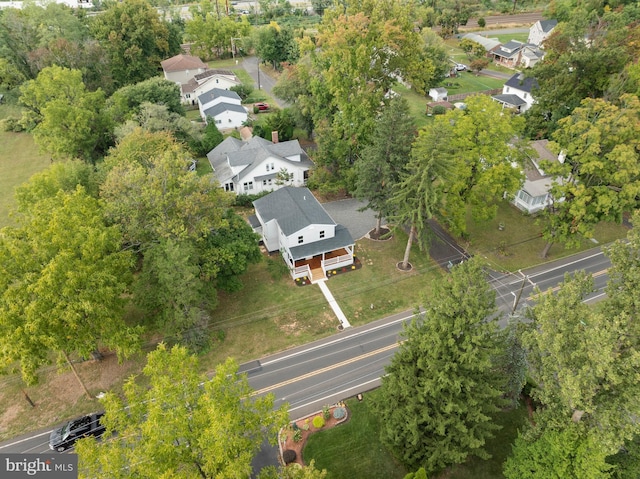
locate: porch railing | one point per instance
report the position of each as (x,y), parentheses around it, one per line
(300,271)
(338,261)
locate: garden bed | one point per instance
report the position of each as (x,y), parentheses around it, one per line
(294,436)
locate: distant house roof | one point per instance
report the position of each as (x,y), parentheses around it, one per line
(487,43)
(548,25)
(508,50)
(206,97)
(182,62)
(213,72)
(522,82)
(293,208)
(439,90)
(215,110)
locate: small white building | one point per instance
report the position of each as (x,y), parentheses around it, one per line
(292,221)
(224,107)
(438,94)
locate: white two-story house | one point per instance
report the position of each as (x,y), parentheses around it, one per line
(292,221)
(517,92)
(224,106)
(259,165)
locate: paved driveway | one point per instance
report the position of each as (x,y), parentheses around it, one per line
(345,212)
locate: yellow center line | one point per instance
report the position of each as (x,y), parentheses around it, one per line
(323,370)
(556,288)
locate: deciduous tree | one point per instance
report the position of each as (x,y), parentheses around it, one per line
(135,38)
(441,387)
(599,177)
(584,362)
(62,284)
(67,120)
(180,423)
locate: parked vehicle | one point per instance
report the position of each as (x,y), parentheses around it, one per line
(261,106)
(66,436)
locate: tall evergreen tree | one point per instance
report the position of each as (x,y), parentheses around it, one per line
(441,387)
(381,162)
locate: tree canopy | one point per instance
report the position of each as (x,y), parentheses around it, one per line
(441,387)
(62,283)
(181,423)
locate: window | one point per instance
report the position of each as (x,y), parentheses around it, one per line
(229,120)
(218,122)
(217,81)
(321,234)
(300,239)
(228,187)
(506,90)
(248,185)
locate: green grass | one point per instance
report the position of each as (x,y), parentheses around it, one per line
(468,82)
(505,37)
(519,245)
(19,159)
(353,449)
(270,315)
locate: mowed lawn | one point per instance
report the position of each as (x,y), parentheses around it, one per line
(354,449)
(19,159)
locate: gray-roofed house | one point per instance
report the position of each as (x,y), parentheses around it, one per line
(534,194)
(224,107)
(508,54)
(293,222)
(530,55)
(259,165)
(540,31)
(517,92)
(488,43)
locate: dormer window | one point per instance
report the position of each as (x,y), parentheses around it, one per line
(300,239)
(321,234)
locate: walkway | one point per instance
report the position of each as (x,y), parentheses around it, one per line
(334,305)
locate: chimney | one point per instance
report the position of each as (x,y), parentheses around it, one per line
(274,137)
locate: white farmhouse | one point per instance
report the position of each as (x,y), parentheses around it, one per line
(292,221)
(259,165)
(534,194)
(540,31)
(182,68)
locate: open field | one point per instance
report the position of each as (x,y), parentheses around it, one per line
(19,159)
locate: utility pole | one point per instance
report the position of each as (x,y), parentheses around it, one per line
(517,297)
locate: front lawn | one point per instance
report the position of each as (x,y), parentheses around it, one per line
(354,449)
(519,244)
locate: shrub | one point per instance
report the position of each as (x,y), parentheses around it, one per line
(326,412)
(339,412)
(318,422)
(11,124)
(439,110)
(482,22)
(289,456)
(297,436)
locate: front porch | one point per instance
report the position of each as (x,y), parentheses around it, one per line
(316,267)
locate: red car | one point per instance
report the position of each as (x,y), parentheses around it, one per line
(261,106)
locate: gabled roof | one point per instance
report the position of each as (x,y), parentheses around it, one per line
(215,110)
(213,72)
(207,96)
(341,239)
(547,25)
(509,49)
(247,156)
(522,82)
(487,43)
(182,62)
(293,208)
(440,90)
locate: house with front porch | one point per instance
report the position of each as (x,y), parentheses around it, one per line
(517,92)
(291,220)
(258,165)
(534,195)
